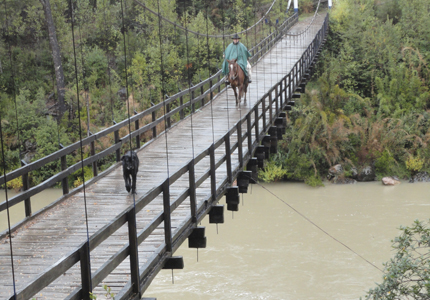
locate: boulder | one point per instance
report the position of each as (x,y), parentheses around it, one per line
(354,172)
(420,177)
(391,180)
(336,175)
(366,173)
(335,170)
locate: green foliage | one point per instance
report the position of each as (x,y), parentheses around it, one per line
(368,104)
(414,164)
(314,181)
(108,295)
(385,164)
(96,64)
(407,274)
(15,184)
(76,177)
(306,6)
(272,172)
(388,10)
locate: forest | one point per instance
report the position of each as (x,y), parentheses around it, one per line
(368,103)
(55,52)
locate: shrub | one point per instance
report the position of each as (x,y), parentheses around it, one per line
(272,172)
(414,164)
(406,276)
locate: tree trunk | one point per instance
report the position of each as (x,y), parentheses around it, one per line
(56,57)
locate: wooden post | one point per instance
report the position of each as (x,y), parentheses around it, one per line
(117,140)
(290,88)
(136,127)
(193,107)
(64,181)
(256,119)
(93,152)
(166,214)
(278,96)
(166,112)
(213,171)
(134,253)
(285,91)
(270,108)
(181,112)
(249,132)
(192,184)
(26,186)
(84,258)
(201,93)
(239,143)
(219,79)
(228,157)
(263,112)
(154,129)
(210,87)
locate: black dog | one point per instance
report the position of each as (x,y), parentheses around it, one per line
(130,166)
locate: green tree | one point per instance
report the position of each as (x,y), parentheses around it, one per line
(407,274)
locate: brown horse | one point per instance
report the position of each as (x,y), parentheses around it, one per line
(237,79)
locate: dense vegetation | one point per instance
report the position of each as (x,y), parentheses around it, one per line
(407,274)
(368,103)
(33,86)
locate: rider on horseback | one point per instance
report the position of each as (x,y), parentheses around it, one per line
(239,51)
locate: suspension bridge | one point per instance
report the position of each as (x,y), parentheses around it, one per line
(98,234)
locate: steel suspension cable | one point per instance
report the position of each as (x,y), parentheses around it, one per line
(84,79)
(198,33)
(209,70)
(72,18)
(126,78)
(223,39)
(163,90)
(256,43)
(136,259)
(185,16)
(107,57)
(318,227)
(7,208)
(3,156)
(310,23)
(12,70)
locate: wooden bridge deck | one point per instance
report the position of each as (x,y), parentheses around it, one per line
(60,230)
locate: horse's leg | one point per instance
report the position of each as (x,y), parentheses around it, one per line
(235,94)
(240,92)
(246,90)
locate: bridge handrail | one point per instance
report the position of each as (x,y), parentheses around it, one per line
(119,142)
(283,92)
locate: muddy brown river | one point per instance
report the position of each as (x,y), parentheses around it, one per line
(268,251)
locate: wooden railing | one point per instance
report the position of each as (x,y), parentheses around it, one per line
(250,131)
(164,110)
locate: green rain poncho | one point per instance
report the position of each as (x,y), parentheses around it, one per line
(238,51)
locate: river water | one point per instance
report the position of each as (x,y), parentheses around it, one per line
(266,250)
(17,212)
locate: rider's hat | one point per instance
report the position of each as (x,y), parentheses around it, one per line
(235,37)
